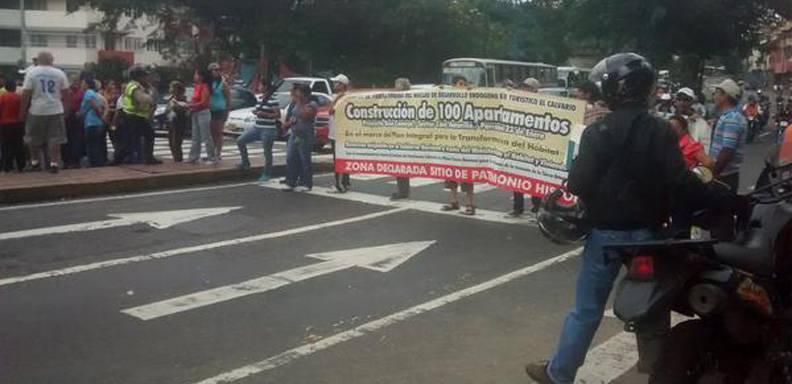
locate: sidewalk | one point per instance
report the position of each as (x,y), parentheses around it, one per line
(72,183)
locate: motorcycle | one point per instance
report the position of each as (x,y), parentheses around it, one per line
(736,288)
(753,128)
(781,126)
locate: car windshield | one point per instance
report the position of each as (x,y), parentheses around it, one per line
(288,84)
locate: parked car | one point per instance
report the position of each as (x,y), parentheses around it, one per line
(240,98)
(242,119)
(317,84)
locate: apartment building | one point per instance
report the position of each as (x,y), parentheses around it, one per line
(73,34)
(779,53)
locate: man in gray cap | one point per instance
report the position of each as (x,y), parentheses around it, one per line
(531,85)
(341,88)
(728,139)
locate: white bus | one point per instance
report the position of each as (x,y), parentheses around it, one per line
(494,73)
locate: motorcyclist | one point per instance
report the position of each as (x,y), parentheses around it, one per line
(628,173)
(782,121)
(752,110)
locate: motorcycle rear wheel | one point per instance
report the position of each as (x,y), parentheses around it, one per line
(689,355)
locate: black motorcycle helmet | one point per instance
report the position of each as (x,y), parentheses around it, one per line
(138,73)
(624,78)
(562,224)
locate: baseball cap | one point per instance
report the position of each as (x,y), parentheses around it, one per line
(340,78)
(687,92)
(730,87)
(213,66)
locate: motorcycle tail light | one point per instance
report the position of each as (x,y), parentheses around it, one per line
(755,295)
(642,267)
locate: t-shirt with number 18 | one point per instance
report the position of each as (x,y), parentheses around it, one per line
(47,83)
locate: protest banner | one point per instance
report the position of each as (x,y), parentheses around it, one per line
(514,140)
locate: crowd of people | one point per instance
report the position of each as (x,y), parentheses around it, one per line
(51,121)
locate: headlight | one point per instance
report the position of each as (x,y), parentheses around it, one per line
(250,119)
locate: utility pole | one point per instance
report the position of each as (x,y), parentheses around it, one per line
(22,34)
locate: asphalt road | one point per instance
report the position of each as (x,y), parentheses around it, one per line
(259,292)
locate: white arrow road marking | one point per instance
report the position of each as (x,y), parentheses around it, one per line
(159,220)
(193,248)
(297,353)
(381,259)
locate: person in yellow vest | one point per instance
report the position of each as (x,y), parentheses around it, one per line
(136,106)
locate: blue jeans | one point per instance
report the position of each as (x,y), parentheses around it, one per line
(595,280)
(96,145)
(298,162)
(202,133)
(267,137)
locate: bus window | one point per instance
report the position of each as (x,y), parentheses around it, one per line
(490,77)
(474,75)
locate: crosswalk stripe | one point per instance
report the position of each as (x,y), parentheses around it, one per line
(230,151)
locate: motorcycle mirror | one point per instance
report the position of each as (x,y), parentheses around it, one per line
(704,174)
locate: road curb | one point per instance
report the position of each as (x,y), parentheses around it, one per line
(146,182)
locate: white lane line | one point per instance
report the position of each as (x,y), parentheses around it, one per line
(135,195)
(420,182)
(418,205)
(373,326)
(127,196)
(381,259)
(192,249)
(365,177)
(481,188)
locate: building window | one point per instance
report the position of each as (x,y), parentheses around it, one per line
(36,5)
(90,41)
(133,43)
(9,4)
(10,37)
(71,41)
(37,40)
(155,45)
(73,5)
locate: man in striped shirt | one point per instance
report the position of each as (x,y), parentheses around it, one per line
(264,129)
(728,139)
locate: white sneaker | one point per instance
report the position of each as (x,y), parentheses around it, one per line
(302,189)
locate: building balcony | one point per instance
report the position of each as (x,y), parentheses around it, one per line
(49,20)
(126,56)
